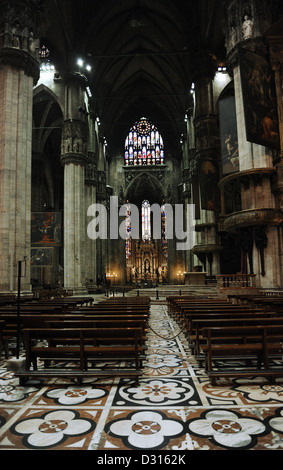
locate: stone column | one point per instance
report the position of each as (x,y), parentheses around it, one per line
(90,197)
(275,40)
(102,253)
(74,159)
(259,215)
(19,72)
(207,248)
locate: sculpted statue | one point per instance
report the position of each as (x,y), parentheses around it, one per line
(247,28)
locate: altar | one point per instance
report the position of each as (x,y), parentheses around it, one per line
(146,265)
(195,278)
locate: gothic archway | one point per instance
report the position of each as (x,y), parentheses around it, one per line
(147,258)
(47,190)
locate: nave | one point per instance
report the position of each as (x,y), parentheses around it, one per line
(174,408)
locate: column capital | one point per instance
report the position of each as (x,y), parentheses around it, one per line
(21,60)
(74,158)
(76,77)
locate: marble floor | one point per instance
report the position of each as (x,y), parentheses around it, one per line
(174,409)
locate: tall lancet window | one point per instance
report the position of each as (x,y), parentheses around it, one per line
(144,145)
(146,221)
(164,232)
(128,233)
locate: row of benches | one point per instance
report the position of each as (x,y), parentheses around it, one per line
(32,312)
(111,331)
(221,334)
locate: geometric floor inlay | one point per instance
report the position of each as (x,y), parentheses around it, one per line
(174,408)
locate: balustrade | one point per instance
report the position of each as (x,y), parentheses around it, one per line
(236,281)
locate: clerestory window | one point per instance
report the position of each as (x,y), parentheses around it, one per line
(144,145)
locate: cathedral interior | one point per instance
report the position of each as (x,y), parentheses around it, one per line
(140,156)
(137,102)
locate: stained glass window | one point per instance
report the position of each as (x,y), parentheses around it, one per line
(146,229)
(144,145)
(128,233)
(164,232)
(146,222)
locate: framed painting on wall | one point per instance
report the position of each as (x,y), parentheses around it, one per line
(259,96)
(228,135)
(209,178)
(46,228)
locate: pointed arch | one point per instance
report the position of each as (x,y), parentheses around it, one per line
(145,186)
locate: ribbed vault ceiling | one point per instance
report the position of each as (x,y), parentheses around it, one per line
(141,56)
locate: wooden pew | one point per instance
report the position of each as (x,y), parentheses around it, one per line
(225,314)
(74,300)
(35,313)
(98,323)
(41,321)
(10,329)
(197,325)
(114,309)
(186,324)
(257,299)
(32,321)
(113,312)
(254,342)
(38,307)
(87,345)
(129,303)
(194,322)
(230,310)
(137,298)
(175,303)
(183,303)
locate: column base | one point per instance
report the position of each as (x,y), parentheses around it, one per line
(77,290)
(14,293)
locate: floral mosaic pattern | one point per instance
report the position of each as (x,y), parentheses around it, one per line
(227,428)
(73,395)
(11,392)
(165,392)
(51,429)
(175,407)
(145,430)
(277,422)
(265,392)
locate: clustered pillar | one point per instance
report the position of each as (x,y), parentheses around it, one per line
(259,219)
(74,159)
(19,72)
(207,249)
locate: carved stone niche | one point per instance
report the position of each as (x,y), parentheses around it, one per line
(20,26)
(102,190)
(91,170)
(246,19)
(19,32)
(74,142)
